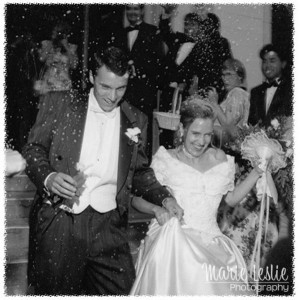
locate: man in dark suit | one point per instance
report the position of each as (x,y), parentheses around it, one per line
(275,96)
(144,46)
(85,154)
(179,44)
(197,55)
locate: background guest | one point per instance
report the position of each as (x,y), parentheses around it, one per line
(242,222)
(234,110)
(207,57)
(60,58)
(23,67)
(273,97)
(179,47)
(144,46)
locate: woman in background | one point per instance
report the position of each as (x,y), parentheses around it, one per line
(60,58)
(234,110)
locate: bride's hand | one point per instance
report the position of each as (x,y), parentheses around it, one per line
(162,215)
(173,208)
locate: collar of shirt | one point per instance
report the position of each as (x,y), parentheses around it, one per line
(95,107)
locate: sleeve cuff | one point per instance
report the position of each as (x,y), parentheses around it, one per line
(46,190)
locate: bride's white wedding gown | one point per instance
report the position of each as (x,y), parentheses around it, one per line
(194,258)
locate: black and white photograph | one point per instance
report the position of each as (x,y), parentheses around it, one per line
(148,148)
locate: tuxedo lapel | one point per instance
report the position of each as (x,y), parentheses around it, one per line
(261,103)
(275,101)
(126,148)
(139,39)
(77,122)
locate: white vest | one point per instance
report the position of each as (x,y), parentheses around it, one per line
(99,158)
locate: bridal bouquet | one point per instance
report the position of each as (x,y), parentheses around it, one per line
(282,129)
(279,135)
(271,148)
(266,149)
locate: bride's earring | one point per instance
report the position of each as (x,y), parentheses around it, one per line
(181,139)
(178,136)
(181,133)
(178,139)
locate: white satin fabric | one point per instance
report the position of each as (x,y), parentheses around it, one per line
(191,258)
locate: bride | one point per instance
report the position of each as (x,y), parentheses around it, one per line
(189,255)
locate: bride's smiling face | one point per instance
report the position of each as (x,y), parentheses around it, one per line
(197,136)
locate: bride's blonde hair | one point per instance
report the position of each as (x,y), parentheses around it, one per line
(192,109)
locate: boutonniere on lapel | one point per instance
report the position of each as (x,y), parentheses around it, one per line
(133,135)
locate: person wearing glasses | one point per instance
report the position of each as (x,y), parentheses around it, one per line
(233,111)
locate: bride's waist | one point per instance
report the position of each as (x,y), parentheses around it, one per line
(202,225)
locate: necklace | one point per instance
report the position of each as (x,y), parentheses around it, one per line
(186,153)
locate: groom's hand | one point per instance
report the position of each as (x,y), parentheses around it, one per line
(173,208)
(62,185)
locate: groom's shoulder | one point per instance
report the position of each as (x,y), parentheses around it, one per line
(133,112)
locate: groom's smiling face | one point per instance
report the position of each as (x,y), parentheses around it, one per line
(109,88)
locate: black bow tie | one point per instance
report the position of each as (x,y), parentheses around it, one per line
(271,84)
(131,28)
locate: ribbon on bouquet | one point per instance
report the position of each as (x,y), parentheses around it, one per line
(265,190)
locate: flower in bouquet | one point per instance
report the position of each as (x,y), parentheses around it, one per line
(260,150)
(235,142)
(284,177)
(282,129)
(275,124)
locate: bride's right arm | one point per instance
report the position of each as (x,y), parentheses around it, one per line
(160,213)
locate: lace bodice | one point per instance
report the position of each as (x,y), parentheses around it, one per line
(199,194)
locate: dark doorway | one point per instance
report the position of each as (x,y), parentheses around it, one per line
(282,31)
(26,25)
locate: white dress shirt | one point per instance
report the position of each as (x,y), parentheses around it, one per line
(132,35)
(269,96)
(99,158)
(270,92)
(183,52)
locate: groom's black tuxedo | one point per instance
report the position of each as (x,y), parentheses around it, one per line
(91,254)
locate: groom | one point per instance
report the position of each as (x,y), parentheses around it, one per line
(85,154)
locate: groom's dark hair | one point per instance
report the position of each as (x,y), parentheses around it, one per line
(113,58)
